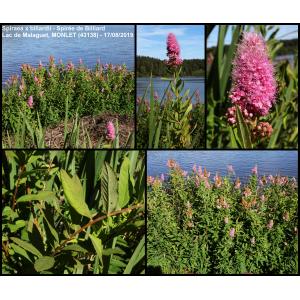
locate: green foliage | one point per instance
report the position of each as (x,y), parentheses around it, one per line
(62,92)
(190,218)
(283,116)
(61,212)
(172,121)
(147,66)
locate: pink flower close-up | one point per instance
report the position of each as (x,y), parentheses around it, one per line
(30,102)
(173,51)
(232,232)
(110,131)
(253,76)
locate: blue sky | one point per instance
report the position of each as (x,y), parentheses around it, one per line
(286,32)
(151,40)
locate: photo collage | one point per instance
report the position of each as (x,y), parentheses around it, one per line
(149,149)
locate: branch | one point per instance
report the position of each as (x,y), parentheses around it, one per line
(94,221)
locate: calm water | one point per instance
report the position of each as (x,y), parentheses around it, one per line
(115,50)
(268,162)
(192,83)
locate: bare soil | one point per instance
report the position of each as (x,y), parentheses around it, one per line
(96,128)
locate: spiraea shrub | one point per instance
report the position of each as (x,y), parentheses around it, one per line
(202,225)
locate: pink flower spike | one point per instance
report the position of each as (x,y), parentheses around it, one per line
(173,51)
(254,170)
(232,232)
(110,131)
(162,177)
(254,83)
(30,102)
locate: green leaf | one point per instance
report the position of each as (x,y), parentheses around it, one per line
(75,247)
(98,246)
(137,255)
(275,134)
(243,130)
(27,246)
(14,227)
(41,196)
(110,251)
(44,263)
(20,251)
(124,183)
(109,193)
(74,193)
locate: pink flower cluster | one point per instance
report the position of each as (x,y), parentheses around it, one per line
(110,131)
(201,176)
(30,102)
(254,84)
(218,180)
(262,129)
(173,51)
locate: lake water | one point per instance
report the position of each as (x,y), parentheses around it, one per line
(192,83)
(115,50)
(268,162)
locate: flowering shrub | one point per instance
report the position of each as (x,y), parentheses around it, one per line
(199,223)
(73,212)
(252,92)
(47,90)
(172,121)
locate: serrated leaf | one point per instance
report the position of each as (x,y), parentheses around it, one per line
(44,263)
(109,193)
(124,183)
(44,195)
(74,193)
(27,246)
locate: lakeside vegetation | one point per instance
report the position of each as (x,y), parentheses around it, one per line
(198,223)
(55,93)
(171,120)
(145,66)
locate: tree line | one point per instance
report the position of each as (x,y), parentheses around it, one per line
(145,66)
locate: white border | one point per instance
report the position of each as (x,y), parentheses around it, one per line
(151,11)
